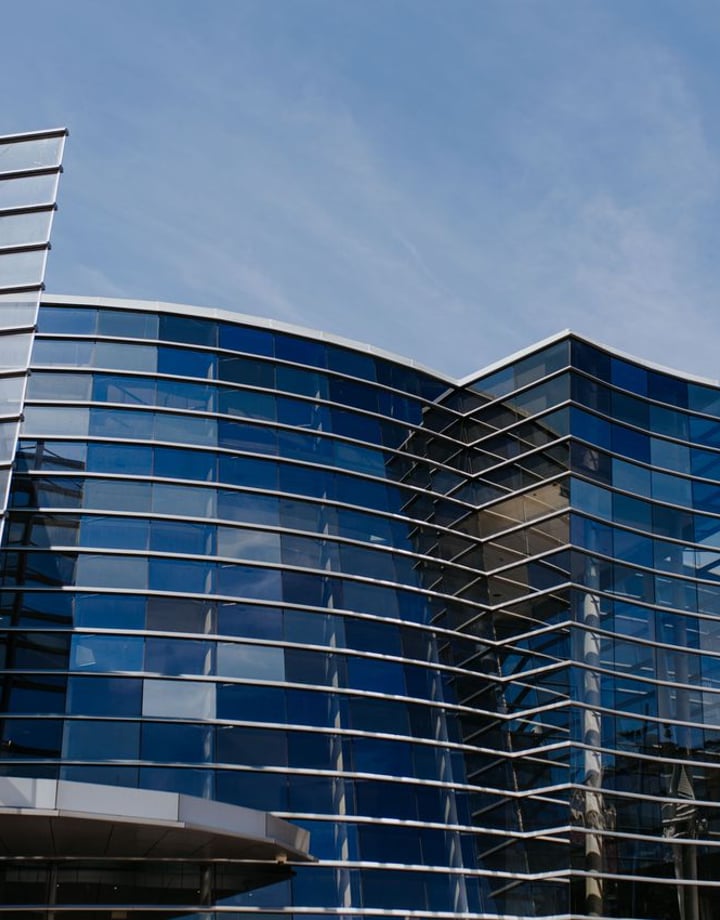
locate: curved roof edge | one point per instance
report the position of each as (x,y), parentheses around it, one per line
(57,818)
(319,335)
(262,322)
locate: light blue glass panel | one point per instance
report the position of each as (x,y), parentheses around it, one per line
(251,662)
(15,351)
(111,571)
(106,653)
(185,699)
(31,153)
(56,420)
(19,229)
(28,191)
(22,268)
(116,356)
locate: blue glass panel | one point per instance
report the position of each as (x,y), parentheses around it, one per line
(250,621)
(629,376)
(706,497)
(243,436)
(302,480)
(249,371)
(266,791)
(251,746)
(104,696)
(631,477)
(120,458)
(300,351)
(630,443)
(354,363)
(591,499)
(128,324)
(104,571)
(705,431)
(168,743)
(111,355)
(245,338)
(181,394)
(185,429)
(248,507)
(114,532)
(246,581)
(178,656)
(67,320)
(122,611)
(670,455)
(121,423)
(705,463)
(251,703)
(102,741)
(590,428)
(247,404)
(175,463)
(106,653)
(57,352)
(704,399)
(188,329)
(182,537)
(304,383)
(245,471)
(184,362)
(175,614)
(136,391)
(672,489)
(667,389)
(168,574)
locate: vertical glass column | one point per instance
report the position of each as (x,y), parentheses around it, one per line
(30,165)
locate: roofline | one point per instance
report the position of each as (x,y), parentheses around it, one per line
(262,322)
(275,325)
(33,135)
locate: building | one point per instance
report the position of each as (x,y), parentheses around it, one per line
(260,583)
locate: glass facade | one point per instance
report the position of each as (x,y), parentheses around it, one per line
(462,633)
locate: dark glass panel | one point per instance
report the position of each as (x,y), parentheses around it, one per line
(122,611)
(245,338)
(248,371)
(175,463)
(629,376)
(353,363)
(183,362)
(187,329)
(104,696)
(300,351)
(666,389)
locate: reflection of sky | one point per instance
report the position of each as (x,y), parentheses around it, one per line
(451,183)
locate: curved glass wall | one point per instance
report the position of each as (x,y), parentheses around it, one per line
(463,633)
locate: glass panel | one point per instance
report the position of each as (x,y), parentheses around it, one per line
(38,153)
(17,229)
(106,653)
(18,268)
(252,662)
(67,320)
(15,350)
(128,324)
(11,389)
(111,571)
(56,420)
(178,699)
(65,387)
(28,191)
(125,357)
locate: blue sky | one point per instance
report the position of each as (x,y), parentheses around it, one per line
(450,180)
